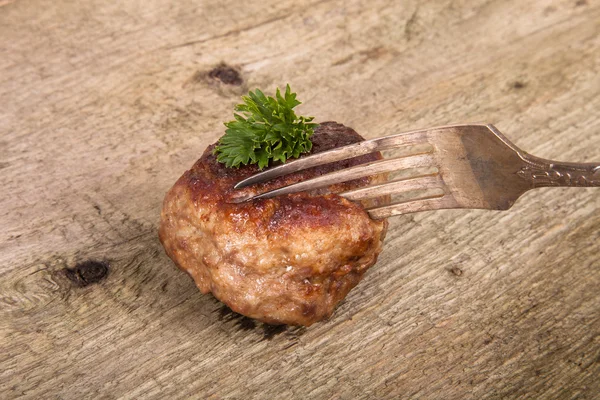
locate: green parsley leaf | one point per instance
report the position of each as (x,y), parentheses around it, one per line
(265,128)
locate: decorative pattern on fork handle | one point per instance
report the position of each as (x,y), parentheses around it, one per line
(544,173)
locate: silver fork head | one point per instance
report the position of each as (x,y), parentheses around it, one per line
(474,166)
(477,168)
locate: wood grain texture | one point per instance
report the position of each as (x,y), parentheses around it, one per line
(105,104)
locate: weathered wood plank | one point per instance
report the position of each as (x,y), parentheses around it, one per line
(105,104)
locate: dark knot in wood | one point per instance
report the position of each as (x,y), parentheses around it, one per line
(87,272)
(226,74)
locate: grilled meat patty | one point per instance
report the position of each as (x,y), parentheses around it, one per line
(286,260)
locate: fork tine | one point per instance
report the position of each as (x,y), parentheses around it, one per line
(425,203)
(428,181)
(340,153)
(348,174)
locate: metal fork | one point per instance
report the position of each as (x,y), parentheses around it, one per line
(475,166)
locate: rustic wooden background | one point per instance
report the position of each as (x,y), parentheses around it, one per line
(104,104)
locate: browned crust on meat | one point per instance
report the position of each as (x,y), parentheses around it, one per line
(289,259)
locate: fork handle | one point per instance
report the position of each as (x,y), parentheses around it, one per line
(544,173)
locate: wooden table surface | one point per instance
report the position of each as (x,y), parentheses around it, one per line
(104,104)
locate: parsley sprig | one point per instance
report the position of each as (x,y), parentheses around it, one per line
(265,128)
